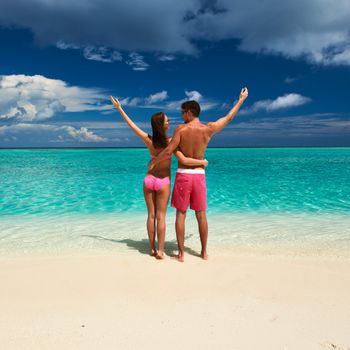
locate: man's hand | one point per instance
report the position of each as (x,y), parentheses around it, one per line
(115,102)
(151,165)
(222,122)
(244,94)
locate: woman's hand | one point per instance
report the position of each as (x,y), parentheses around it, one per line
(205,163)
(244,94)
(115,102)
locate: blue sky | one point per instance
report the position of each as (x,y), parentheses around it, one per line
(60,60)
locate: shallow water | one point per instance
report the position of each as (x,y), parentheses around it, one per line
(54,199)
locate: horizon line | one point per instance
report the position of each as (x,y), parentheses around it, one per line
(137,147)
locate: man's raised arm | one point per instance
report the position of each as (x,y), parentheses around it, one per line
(168,151)
(222,122)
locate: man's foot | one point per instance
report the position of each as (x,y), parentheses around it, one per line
(160,256)
(204,256)
(178,257)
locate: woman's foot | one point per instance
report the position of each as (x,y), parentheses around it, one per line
(153,252)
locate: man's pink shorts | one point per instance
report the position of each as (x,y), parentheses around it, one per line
(189,188)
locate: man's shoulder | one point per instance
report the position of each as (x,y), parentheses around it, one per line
(206,126)
(180,127)
(202,124)
(210,126)
(191,126)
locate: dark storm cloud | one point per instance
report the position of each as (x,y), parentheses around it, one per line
(123,24)
(313,29)
(317,31)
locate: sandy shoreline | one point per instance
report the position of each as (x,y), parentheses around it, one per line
(127,300)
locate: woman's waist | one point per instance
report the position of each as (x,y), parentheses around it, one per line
(159,173)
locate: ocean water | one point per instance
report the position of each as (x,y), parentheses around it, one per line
(297,198)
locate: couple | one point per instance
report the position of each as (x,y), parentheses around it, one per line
(188,143)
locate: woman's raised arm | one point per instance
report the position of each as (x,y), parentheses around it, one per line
(139,132)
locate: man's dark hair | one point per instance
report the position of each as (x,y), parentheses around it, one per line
(192,106)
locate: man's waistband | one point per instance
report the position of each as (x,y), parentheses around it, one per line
(190,171)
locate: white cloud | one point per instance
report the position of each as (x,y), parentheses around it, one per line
(51,133)
(313,125)
(102,54)
(93,53)
(290,80)
(136,61)
(165,58)
(32,98)
(83,134)
(194,95)
(117,123)
(159,100)
(336,58)
(65,46)
(132,101)
(281,102)
(158,97)
(288,100)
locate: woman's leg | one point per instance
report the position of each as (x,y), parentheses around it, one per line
(150,203)
(162,199)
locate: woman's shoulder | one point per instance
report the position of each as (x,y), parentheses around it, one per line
(154,152)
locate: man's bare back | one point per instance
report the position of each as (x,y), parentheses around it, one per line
(194,139)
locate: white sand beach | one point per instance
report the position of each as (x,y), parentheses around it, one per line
(128,300)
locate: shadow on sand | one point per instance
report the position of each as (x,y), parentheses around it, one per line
(142,246)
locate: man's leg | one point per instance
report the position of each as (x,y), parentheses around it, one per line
(180,232)
(203,231)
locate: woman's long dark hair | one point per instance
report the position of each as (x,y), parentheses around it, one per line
(159,137)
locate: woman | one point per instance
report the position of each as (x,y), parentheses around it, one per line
(156,186)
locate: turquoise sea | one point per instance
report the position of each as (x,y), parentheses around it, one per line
(56,199)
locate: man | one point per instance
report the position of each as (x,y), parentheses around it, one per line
(192,139)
